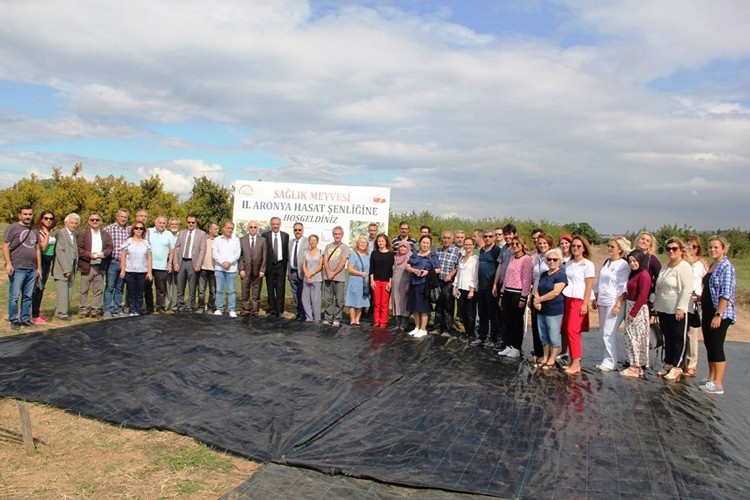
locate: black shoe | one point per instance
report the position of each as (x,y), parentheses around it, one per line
(477,342)
(28,323)
(15,325)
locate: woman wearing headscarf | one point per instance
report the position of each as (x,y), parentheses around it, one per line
(674,285)
(581,274)
(717,303)
(637,322)
(400,288)
(609,294)
(693,251)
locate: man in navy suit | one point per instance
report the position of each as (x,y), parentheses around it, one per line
(277,260)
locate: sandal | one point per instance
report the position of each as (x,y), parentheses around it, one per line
(630,372)
(548,366)
(690,372)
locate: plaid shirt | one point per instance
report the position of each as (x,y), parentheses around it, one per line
(448,260)
(119,236)
(722,283)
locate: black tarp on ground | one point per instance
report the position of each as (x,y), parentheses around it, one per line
(372,404)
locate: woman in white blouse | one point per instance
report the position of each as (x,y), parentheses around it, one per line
(581,273)
(464,286)
(610,290)
(674,286)
(693,251)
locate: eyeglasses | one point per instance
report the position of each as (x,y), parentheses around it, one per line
(576,246)
(252,227)
(298,230)
(553,259)
(516,244)
(489,236)
(94,220)
(48,218)
(191,222)
(138,228)
(672,249)
(694,246)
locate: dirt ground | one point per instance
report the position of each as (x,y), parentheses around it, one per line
(78,457)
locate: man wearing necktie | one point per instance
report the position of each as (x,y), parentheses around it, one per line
(252,267)
(65,264)
(277,260)
(189,252)
(298,246)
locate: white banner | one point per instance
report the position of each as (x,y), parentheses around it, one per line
(319,207)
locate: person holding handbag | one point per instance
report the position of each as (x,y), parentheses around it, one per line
(693,250)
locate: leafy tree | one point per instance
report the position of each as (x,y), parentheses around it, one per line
(584,229)
(209,201)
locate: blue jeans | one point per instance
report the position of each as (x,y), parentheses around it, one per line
(225,280)
(22,283)
(549,329)
(113,290)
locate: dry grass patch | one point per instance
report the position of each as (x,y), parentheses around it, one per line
(82,458)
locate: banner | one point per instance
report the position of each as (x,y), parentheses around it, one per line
(319,207)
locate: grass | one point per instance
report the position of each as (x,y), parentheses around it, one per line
(181,458)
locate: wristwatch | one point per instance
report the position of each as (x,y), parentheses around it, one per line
(718,314)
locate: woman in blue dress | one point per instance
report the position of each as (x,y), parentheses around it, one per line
(418,268)
(358,287)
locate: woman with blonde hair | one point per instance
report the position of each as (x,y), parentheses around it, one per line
(358,286)
(693,251)
(717,303)
(648,244)
(610,291)
(674,286)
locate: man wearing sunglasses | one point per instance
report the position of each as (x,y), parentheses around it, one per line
(94,253)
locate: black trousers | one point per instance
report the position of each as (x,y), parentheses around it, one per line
(467,310)
(513,319)
(276,287)
(489,324)
(538,350)
(674,337)
(445,307)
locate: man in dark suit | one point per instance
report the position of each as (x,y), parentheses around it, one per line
(277,245)
(189,252)
(297,248)
(253,255)
(94,253)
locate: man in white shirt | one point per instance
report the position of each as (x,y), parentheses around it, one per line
(94,252)
(226,253)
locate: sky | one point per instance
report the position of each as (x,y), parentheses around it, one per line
(623,114)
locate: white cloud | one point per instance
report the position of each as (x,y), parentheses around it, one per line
(455,121)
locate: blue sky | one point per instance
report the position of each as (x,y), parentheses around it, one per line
(622,114)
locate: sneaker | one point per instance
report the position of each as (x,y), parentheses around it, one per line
(45,318)
(513,353)
(336,323)
(604,368)
(217,312)
(505,351)
(414,332)
(15,326)
(326,322)
(232,314)
(704,382)
(107,315)
(477,342)
(131,314)
(489,345)
(712,388)
(39,321)
(420,334)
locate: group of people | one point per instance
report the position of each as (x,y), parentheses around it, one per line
(488,281)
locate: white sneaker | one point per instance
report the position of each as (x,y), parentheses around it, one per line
(414,332)
(505,351)
(513,353)
(232,314)
(604,368)
(420,334)
(217,313)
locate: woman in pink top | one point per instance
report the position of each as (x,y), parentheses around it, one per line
(519,277)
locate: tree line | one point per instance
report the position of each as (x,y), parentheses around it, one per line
(209,201)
